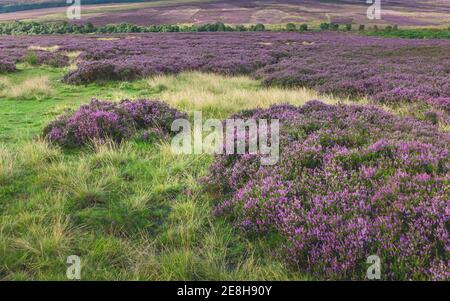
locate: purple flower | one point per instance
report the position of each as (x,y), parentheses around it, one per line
(352,181)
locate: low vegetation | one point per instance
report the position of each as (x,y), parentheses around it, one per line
(350,181)
(98,179)
(394,32)
(37,88)
(131,210)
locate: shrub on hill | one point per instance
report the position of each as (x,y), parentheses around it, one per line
(53,59)
(7,66)
(303,27)
(100,120)
(352,181)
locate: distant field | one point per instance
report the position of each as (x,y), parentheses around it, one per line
(354,177)
(21,5)
(423,13)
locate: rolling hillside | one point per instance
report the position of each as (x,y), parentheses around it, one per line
(418,13)
(20,5)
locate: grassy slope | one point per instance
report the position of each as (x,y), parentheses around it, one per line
(134,211)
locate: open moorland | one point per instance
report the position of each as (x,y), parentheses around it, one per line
(87,168)
(423,13)
(391,72)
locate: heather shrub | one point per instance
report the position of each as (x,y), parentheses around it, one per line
(98,120)
(101,71)
(352,181)
(153,135)
(7,66)
(151,114)
(387,71)
(102,120)
(53,59)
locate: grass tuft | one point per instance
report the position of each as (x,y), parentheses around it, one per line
(7,164)
(37,88)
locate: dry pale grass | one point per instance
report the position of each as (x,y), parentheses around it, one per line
(44,48)
(53,236)
(4,84)
(210,92)
(7,164)
(37,88)
(108,39)
(37,154)
(73,55)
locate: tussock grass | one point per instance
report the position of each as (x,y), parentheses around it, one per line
(38,153)
(221,95)
(85,185)
(7,164)
(108,152)
(4,83)
(130,211)
(37,88)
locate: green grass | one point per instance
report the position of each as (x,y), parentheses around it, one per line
(130,211)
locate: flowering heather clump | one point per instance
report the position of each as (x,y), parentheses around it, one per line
(101,120)
(97,120)
(100,72)
(384,69)
(151,114)
(153,135)
(7,66)
(352,181)
(52,59)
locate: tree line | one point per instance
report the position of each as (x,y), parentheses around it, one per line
(40,28)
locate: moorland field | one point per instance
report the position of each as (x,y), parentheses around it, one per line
(87,168)
(416,13)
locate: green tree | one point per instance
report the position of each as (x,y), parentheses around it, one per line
(291,27)
(324,26)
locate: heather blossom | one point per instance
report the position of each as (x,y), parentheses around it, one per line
(100,120)
(385,70)
(352,181)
